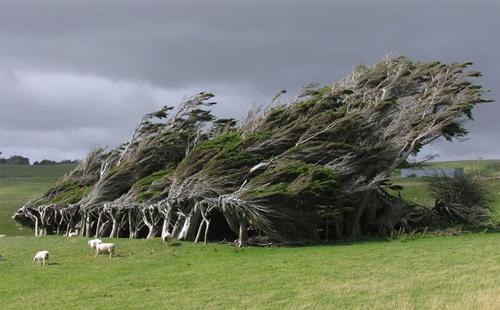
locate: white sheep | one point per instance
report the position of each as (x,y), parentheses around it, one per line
(167,237)
(73,234)
(92,244)
(41,257)
(104,247)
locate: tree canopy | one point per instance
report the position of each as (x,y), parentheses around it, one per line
(315,167)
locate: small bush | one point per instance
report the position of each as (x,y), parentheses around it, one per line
(461,199)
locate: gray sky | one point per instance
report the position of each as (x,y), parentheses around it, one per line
(75,75)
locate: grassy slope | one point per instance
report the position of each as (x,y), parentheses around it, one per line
(452,272)
(19,183)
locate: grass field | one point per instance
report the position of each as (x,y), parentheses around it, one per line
(437,272)
(19,183)
(434,272)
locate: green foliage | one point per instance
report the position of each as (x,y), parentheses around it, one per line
(225,153)
(304,106)
(226,141)
(70,192)
(323,181)
(269,190)
(277,113)
(151,185)
(296,180)
(204,156)
(260,135)
(144,196)
(232,158)
(324,90)
(146,182)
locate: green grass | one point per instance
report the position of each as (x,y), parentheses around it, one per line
(19,183)
(438,272)
(39,171)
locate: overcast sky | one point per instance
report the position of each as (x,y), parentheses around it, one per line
(76,75)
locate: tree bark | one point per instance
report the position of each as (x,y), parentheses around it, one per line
(200,228)
(99,219)
(188,230)
(243,234)
(167,220)
(206,231)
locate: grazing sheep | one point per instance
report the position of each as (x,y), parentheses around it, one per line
(104,247)
(73,234)
(167,237)
(92,244)
(41,257)
(1,236)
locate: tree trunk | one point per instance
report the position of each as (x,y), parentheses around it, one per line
(178,226)
(99,219)
(36,226)
(113,228)
(82,229)
(206,231)
(200,228)
(132,226)
(86,225)
(167,219)
(243,234)
(152,232)
(190,224)
(185,228)
(68,228)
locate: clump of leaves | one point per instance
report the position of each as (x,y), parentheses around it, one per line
(151,185)
(70,192)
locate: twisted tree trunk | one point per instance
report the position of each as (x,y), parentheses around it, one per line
(243,234)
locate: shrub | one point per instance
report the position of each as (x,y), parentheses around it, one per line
(461,199)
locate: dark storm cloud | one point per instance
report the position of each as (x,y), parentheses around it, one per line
(84,72)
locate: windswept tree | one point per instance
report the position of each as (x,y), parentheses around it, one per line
(461,199)
(316,167)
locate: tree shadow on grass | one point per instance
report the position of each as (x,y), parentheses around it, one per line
(173,244)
